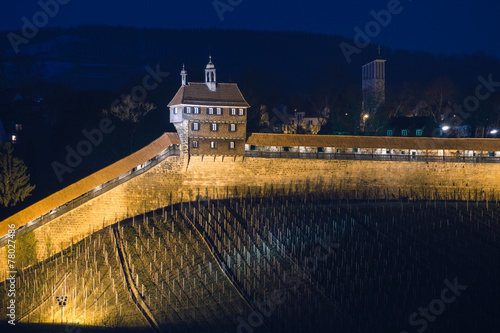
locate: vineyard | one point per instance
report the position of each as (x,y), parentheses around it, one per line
(281,263)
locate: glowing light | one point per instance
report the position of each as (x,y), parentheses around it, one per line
(445,128)
(494,131)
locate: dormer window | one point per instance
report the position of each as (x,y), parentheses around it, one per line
(210,111)
(419,132)
(404,132)
(389,132)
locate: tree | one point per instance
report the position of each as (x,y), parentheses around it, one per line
(437,95)
(264,117)
(403,101)
(14,179)
(322,109)
(130,111)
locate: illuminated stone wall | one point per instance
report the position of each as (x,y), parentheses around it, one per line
(223,175)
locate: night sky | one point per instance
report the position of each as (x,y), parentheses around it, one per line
(450,27)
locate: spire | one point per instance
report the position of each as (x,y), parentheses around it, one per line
(184,74)
(210,76)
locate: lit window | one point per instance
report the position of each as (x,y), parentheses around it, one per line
(232,127)
(404,132)
(419,132)
(196,110)
(214,127)
(188,109)
(195,144)
(14,138)
(389,132)
(212,144)
(241,112)
(210,111)
(233,112)
(196,126)
(219,111)
(19,127)
(231,145)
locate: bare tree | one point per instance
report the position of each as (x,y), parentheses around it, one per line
(437,95)
(131,111)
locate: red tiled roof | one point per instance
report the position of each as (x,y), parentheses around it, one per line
(90,182)
(197,93)
(345,141)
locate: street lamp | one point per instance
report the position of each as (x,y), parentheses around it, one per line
(445,128)
(494,131)
(62,303)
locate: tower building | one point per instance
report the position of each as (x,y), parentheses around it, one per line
(373,85)
(210,117)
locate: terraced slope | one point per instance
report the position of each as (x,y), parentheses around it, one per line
(279,264)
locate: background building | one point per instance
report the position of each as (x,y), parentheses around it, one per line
(373,86)
(299,123)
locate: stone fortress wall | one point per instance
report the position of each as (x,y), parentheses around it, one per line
(182,178)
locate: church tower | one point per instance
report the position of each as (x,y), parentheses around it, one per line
(373,84)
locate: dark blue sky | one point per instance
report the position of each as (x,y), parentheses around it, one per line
(436,26)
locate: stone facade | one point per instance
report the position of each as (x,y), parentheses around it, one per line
(210,117)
